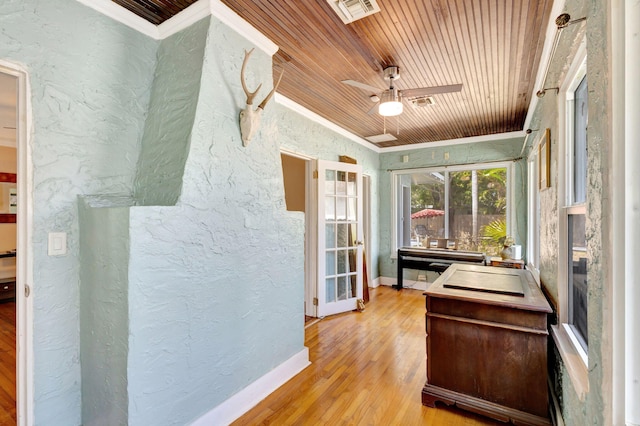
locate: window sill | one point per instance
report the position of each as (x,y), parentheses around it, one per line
(535,272)
(573,361)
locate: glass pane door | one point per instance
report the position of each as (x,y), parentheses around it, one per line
(339,237)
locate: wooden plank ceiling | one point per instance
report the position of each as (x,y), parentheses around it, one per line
(491,47)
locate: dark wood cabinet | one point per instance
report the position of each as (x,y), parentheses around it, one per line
(487,343)
(7,288)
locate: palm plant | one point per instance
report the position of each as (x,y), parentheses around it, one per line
(496,231)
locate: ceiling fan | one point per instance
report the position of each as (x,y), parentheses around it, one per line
(389,101)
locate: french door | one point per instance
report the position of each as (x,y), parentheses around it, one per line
(339,237)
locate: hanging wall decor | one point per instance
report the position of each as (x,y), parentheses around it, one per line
(544,160)
(250,118)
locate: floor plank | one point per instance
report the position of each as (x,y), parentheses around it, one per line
(368,368)
(8,363)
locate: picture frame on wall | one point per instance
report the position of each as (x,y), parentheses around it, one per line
(544,156)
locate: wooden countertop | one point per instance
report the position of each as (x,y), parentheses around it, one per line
(514,288)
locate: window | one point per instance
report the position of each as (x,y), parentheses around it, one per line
(577,278)
(574,212)
(533,214)
(467,204)
(572,195)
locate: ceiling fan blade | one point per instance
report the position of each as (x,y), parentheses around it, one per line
(374,109)
(363,86)
(424,91)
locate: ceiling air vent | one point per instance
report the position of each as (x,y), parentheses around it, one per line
(422,102)
(352,10)
(385,137)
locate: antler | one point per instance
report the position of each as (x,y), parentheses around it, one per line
(250,95)
(264,102)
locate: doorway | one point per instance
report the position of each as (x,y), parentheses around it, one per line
(299,193)
(15,253)
(300,177)
(8,244)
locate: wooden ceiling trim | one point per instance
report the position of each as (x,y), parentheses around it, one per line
(455,50)
(414,75)
(155,11)
(451,33)
(509,72)
(515,64)
(140,11)
(492,47)
(485,63)
(303,43)
(448,54)
(535,26)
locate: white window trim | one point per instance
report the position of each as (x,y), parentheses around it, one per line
(574,357)
(533,214)
(395,194)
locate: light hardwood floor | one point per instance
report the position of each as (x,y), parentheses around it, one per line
(368,368)
(7,363)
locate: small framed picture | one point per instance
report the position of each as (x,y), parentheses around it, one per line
(544,160)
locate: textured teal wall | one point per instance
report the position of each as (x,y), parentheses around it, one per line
(480,152)
(217,281)
(297,134)
(172,109)
(594,406)
(90,84)
(104,309)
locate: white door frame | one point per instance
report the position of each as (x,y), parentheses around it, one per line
(310,226)
(24,257)
(366,225)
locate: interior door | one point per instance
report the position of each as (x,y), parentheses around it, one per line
(339,237)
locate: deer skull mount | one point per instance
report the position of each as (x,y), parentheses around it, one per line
(250,118)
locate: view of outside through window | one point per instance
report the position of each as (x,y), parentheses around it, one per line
(576,218)
(476,212)
(578,277)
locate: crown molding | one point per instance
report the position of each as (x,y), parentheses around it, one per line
(545,57)
(461,141)
(189,16)
(122,15)
(186,18)
(296,107)
(242,27)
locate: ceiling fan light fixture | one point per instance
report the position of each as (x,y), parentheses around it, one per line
(390,104)
(390,109)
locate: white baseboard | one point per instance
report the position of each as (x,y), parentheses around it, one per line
(250,396)
(387,280)
(375,283)
(409,284)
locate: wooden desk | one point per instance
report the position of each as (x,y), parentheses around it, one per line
(438,260)
(486,345)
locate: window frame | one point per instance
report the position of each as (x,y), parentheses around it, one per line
(573,354)
(396,191)
(533,213)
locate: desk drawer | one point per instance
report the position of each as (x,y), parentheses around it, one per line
(7,290)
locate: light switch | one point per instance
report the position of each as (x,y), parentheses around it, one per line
(57,243)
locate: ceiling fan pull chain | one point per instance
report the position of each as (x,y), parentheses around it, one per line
(384,125)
